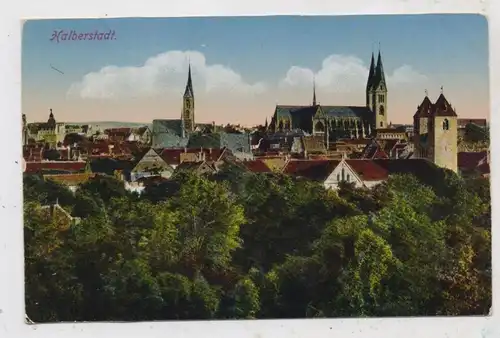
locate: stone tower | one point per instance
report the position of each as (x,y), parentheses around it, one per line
(420,125)
(376,92)
(443,136)
(187,115)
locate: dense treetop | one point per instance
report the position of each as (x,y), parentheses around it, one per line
(245,245)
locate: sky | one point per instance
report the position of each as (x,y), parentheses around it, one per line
(242,67)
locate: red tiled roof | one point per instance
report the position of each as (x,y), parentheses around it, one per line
(312,169)
(72,166)
(257,166)
(470,160)
(368,170)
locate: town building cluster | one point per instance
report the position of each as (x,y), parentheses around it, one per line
(325,143)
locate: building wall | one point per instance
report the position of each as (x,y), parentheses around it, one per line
(380,102)
(336,177)
(444,143)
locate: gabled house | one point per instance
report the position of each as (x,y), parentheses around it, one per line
(363,173)
(151,164)
(200,167)
(142,135)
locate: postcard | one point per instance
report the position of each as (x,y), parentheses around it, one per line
(256,168)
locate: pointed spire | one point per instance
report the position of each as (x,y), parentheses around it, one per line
(266,125)
(314,91)
(379,71)
(189,85)
(371,73)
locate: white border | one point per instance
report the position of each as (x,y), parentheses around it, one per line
(11,237)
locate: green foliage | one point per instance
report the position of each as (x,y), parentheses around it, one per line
(244,245)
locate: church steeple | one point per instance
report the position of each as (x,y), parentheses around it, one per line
(188,106)
(189,85)
(371,73)
(314,92)
(379,72)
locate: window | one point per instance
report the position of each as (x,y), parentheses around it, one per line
(318,127)
(338,177)
(381,123)
(343,174)
(381,110)
(348,178)
(381,98)
(188,104)
(446,124)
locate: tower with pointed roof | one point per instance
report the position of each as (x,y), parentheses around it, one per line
(314,92)
(436,132)
(187,115)
(443,135)
(376,92)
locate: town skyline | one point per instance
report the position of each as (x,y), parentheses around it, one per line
(116,81)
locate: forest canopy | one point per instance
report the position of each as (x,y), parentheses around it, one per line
(244,245)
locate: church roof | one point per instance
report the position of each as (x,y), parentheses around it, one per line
(219,140)
(331,111)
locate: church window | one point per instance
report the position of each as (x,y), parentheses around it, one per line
(381,123)
(446,124)
(188,104)
(319,127)
(348,178)
(381,110)
(381,98)
(343,174)
(338,177)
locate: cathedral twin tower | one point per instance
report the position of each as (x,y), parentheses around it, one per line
(376,92)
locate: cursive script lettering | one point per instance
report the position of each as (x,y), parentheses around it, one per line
(72,35)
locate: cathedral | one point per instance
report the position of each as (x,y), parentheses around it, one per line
(436,132)
(339,122)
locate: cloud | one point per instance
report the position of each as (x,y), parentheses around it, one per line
(344,73)
(161,74)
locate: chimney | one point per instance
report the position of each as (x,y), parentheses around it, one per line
(185,150)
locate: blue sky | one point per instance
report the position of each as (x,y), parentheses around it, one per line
(448,50)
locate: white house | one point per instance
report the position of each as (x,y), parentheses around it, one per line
(151,164)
